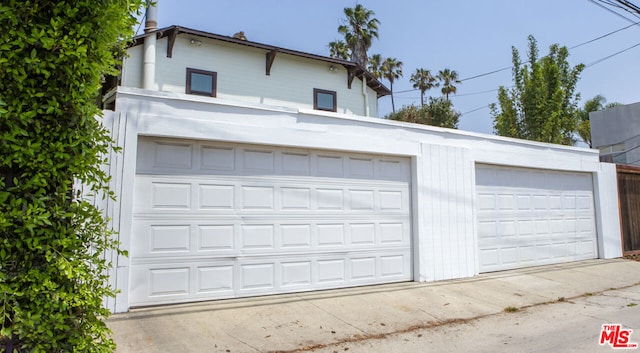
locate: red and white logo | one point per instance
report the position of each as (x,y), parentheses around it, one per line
(617,337)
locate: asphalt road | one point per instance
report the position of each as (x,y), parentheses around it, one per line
(569,325)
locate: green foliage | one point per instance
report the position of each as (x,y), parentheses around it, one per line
(375,65)
(511,309)
(438,112)
(449,80)
(423,80)
(359,28)
(53,277)
(542,105)
(391,69)
(584,125)
(338,49)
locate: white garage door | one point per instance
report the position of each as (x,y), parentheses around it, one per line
(218,220)
(529,217)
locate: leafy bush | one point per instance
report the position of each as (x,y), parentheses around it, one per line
(438,112)
(53,277)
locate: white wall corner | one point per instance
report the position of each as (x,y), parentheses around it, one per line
(129,141)
(473,267)
(608,212)
(121,302)
(417,225)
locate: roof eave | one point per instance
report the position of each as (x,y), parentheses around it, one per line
(172,31)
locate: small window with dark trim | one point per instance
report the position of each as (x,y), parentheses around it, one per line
(201,82)
(324,100)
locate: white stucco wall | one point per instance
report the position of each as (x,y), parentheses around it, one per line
(443,175)
(241,75)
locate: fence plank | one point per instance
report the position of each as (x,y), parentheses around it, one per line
(629,193)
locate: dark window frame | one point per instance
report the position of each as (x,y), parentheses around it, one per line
(316,91)
(214,82)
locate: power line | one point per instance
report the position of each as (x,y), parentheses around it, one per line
(475,93)
(612,55)
(487,73)
(596,2)
(630,5)
(456,95)
(605,35)
(476,109)
(626,6)
(573,47)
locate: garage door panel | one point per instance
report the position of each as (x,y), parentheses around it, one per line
(296,273)
(215,280)
(214,158)
(192,236)
(168,282)
(186,194)
(533,217)
(251,220)
(394,265)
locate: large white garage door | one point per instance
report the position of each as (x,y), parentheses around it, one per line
(529,217)
(219,220)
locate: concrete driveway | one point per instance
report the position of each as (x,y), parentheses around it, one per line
(332,320)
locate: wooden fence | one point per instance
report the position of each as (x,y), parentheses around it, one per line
(629,198)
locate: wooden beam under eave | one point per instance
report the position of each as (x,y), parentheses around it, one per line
(171,40)
(351,74)
(271,56)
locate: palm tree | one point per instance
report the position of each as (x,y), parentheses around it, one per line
(375,62)
(592,105)
(391,70)
(338,49)
(359,30)
(449,79)
(424,81)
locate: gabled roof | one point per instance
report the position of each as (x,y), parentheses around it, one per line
(353,70)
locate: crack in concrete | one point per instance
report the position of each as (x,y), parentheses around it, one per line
(243,342)
(431,324)
(334,316)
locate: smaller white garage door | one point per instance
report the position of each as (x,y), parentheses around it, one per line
(529,217)
(219,220)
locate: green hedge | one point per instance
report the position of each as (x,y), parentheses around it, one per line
(53,278)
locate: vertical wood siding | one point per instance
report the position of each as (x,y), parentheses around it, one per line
(629,192)
(447,235)
(114,122)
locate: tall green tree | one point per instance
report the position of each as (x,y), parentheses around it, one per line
(437,112)
(424,81)
(449,80)
(53,276)
(338,49)
(360,27)
(592,105)
(391,70)
(542,105)
(375,65)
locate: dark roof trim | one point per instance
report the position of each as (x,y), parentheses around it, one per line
(351,67)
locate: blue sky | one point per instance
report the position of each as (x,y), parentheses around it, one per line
(471,37)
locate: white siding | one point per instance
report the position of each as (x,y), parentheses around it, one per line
(132,68)
(447,243)
(242,76)
(606,204)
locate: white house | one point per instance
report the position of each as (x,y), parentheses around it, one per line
(250,170)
